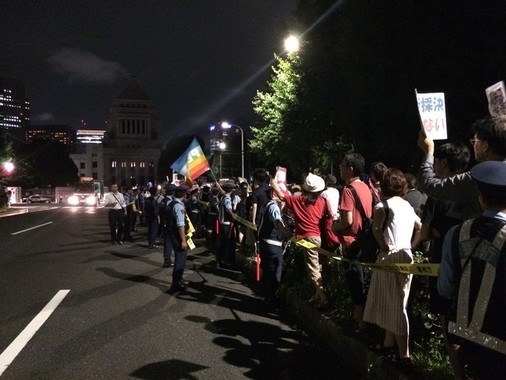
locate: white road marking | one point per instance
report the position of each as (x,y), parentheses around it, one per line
(31,228)
(24,337)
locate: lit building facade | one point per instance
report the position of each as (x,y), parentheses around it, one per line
(64,134)
(131,148)
(14,106)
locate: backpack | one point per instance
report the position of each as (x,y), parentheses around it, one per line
(365,248)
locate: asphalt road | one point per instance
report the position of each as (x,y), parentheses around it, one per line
(118,321)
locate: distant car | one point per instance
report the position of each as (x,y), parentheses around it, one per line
(82,200)
(37,199)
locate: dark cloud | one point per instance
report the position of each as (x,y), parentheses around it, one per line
(83,66)
(44,117)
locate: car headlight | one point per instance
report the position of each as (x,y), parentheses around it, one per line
(91,200)
(73,200)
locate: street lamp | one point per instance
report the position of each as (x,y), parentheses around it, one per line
(226,125)
(292,44)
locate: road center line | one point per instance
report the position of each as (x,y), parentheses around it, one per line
(24,337)
(31,228)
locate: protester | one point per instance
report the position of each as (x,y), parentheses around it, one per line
(449,160)
(376,173)
(331,195)
(396,228)
(177,228)
(348,226)
(473,275)
(116,204)
(489,144)
(244,210)
(308,209)
(413,195)
(261,193)
(213,222)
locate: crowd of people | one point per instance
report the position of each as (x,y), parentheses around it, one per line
(455,217)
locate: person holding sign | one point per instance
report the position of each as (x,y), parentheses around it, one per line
(489,144)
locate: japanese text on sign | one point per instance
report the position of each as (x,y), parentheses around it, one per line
(431,107)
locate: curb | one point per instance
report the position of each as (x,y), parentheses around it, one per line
(12,211)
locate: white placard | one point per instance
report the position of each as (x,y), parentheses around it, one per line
(432,109)
(280,178)
(496,95)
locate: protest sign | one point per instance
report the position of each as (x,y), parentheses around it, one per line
(280,178)
(496,95)
(431,107)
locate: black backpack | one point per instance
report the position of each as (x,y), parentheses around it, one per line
(365,249)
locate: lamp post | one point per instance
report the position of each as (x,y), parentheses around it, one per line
(226,125)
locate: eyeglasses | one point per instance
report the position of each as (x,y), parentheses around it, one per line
(474,141)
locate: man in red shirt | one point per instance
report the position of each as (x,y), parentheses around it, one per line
(308,210)
(348,226)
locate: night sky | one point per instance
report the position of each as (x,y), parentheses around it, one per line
(200,61)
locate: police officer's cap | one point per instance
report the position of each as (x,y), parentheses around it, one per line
(229,185)
(490,177)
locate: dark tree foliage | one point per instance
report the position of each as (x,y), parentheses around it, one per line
(42,163)
(363,60)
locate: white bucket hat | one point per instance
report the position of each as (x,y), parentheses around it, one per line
(313,183)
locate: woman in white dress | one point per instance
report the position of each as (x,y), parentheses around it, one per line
(396,230)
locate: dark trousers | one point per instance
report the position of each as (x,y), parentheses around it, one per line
(226,244)
(179,260)
(271,262)
(354,276)
(168,247)
(126,225)
(116,218)
(152,230)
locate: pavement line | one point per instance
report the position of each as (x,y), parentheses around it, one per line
(31,228)
(24,337)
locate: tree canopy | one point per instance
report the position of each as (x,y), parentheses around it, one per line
(354,78)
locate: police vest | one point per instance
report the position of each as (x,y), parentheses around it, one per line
(224,216)
(170,221)
(480,313)
(268,230)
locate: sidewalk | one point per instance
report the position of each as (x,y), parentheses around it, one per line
(348,349)
(12,210)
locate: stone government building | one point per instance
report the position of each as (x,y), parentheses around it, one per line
(131,146)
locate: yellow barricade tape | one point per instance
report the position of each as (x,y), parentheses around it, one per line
(247,223)
(418,269)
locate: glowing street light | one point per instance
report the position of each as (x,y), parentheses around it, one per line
(226,125)
(8,167)
(292,44)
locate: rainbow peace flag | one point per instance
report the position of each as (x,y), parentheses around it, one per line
(192,162)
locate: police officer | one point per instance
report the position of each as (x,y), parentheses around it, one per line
(164,217)
(473,275)
(271,233)
(226,240)
(177,228)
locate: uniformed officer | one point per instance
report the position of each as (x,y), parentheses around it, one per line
(164,216)
(177,228)
(473,275)
(226,240)
(271,233)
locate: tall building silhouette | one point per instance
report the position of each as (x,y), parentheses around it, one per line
(14,106)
